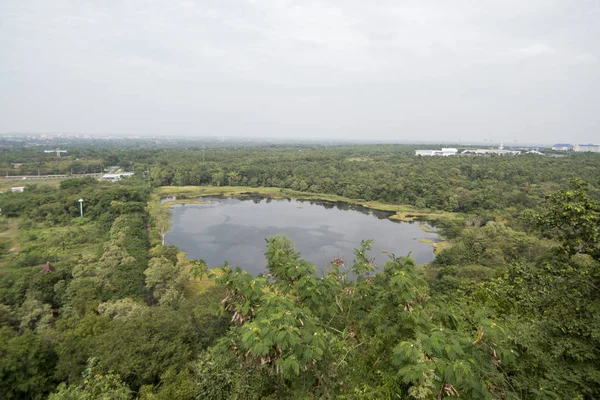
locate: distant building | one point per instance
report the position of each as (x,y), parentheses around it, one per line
(592,148)
(57,151)
(17,165)
(535,152)
(526,148)
(498,152)
(443,152)
(116,177)
(449,151)
(562,147)
(17,188)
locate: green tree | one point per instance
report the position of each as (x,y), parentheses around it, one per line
(34,314)
(573,217)
(553,304)
(26,365)
(161,217)
(76,342)
(217,178)
(232,178)
(96,385)
(198,269)
(143,345)
(166,280)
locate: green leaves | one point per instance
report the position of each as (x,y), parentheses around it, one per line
(281,331)
(283,261)
(96,385)
(444,362)
(290,367)
(407,352)
(572,217)
(362,263)
(161,218)
(243,293)
(293,325)
(27,365)
(166,281)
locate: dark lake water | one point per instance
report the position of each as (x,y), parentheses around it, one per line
(234,230)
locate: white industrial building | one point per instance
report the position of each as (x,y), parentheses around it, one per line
(116,177)
(443,152)
(592,148)
(498,152)
(562,147)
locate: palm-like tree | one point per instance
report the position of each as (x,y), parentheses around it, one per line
(198,269)
(232,177)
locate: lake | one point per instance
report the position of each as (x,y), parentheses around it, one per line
(234,230)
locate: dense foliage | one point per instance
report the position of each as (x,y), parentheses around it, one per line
(387,173)
(511,310)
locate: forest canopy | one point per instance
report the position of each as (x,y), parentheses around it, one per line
(99,306)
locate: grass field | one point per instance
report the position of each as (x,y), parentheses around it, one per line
(194,286)
(60,244)
(170,203)
(6,184)
(402,212)
(437,246)
(11,235)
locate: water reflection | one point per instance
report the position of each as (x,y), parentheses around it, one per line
(234,230)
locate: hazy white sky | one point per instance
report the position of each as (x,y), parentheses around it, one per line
(526,70)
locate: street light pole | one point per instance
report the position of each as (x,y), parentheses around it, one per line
(81,207)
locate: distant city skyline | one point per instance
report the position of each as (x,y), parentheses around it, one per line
(411,71)
(107,136)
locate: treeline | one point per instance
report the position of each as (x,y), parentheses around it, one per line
(46,204)
(35,161)
(390,174)
(386,173)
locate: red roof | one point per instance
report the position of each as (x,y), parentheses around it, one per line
(48,268)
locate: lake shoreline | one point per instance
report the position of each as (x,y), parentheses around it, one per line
(401,213)
(234,228)
(405,213)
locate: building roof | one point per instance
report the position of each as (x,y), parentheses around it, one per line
(497,151)
(48,268)
(117,175)
(562,145)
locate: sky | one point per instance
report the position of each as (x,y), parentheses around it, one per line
(446,70)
